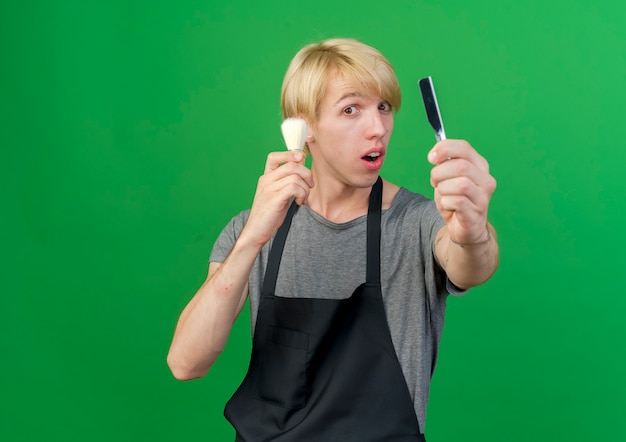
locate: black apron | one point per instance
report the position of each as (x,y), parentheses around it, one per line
(324,369)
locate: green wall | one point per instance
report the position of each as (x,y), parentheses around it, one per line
(132,131)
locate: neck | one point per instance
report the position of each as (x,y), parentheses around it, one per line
(339,203)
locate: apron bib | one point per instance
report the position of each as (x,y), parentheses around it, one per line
(324,369)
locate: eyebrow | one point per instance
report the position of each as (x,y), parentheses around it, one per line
(347,95)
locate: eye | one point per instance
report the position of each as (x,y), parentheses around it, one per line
(385,106)
(350,110)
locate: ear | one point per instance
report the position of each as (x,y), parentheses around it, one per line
(310,138)
(310,135)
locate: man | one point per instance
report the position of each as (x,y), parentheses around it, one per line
(347,274)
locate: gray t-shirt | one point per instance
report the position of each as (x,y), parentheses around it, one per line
(322,259)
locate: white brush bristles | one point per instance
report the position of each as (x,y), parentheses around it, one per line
(294,132)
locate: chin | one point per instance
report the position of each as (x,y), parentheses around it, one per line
(366,181)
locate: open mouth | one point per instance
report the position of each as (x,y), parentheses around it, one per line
(372,156)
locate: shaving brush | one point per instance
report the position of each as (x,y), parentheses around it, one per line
(294,132)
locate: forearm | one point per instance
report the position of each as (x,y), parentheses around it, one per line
(206,322)
(468,265)
(204,325)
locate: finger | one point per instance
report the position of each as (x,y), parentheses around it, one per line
(275,159)
(445,213)
(287,169)
(462,194)
(462,186)
(452,149)
(291,186)
(458,167)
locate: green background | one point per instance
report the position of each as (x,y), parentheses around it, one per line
(132,131)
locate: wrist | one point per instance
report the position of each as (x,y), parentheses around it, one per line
(484,239)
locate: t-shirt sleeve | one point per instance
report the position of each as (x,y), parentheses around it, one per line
(226,239)
(454,290)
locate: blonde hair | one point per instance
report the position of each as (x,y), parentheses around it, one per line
(309,73)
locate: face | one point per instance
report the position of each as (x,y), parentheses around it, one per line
(349,142)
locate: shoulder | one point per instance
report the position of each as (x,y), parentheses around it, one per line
(228,236)
(240,219)
(394,194)
(236,224)
(390,191)
(414,209)
(403,198)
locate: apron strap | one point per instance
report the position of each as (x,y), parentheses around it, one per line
(373,233)
(276,252)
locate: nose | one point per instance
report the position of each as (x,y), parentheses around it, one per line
(377,125)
